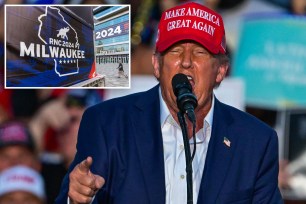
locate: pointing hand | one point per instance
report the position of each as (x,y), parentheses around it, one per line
(83,183)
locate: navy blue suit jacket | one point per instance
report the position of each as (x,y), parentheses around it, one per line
(123,136)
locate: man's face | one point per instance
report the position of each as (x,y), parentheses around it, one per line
(192,59)
(17,155)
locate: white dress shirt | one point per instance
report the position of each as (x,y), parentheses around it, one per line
(174,155)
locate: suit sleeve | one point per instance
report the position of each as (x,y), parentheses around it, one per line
(91,142)
(266,188)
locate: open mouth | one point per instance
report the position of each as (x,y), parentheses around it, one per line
(191,80)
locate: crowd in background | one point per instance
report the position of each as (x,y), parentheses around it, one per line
(38,128)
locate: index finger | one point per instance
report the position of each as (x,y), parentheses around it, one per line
(84,166)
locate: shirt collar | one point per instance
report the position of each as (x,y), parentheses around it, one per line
(164,111)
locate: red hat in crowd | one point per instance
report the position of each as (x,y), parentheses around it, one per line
(191,21)
(15,133)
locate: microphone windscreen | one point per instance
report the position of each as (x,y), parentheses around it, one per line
(180,81)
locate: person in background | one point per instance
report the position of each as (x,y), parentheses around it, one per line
(21,185)
(55,168)
(47,120)
(121,70)
(17,146)
(292,177)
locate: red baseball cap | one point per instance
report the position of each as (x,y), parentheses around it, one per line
(191,21)
(16,133)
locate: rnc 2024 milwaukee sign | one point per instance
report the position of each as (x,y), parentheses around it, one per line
(47,46)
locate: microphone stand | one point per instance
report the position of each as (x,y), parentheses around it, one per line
(182,121)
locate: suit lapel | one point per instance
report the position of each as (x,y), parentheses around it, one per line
(147,132)
(218,157)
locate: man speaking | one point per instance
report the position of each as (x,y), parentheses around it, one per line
(131,150)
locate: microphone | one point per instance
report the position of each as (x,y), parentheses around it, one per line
(186,102)
(185,99)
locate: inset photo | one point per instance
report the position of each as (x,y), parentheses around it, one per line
(78,46)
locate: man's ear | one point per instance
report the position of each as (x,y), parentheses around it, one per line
(221,72)
(156,65)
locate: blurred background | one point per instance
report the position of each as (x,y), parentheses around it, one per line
(267,78)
